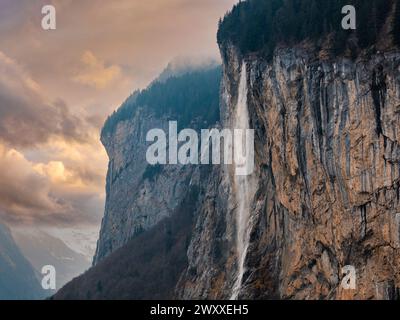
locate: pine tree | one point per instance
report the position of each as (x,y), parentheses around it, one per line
(261,25)
(396,25)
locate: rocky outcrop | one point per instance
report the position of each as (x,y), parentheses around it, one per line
(140,195)
(327,171)
(324,194)
(150,209)
(325,190)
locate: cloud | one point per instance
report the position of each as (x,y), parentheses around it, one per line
(46,193)
(23,191)
(52,164)
(61,191)
(79,166)
(27,118)
(95,73)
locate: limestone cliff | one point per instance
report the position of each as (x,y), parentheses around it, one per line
(150,210)
(140,195)
(135,201)
(325,107)
(327,191)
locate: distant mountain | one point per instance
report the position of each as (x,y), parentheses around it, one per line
(147,267)
(82,241)
(43,249)
(181,66)
(17,276)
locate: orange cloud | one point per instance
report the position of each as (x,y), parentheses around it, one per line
(45,193)
(55,173)
(27,118)
(64,184)
(94,72)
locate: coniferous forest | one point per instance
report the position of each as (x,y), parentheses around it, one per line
(187,97)
(262,25)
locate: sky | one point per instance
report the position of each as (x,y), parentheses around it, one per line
(58,86)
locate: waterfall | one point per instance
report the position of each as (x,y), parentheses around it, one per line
(243,187)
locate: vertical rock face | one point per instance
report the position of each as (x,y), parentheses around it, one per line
(327,192)
(324,192)
(139,195)
(151,210)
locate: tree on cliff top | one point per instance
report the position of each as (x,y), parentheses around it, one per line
(262,25)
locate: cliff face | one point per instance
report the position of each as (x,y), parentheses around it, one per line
(150,210)
(137,199)
(324,194)
(140,195)
(326,184)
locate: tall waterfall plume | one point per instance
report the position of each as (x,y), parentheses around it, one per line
(243,186)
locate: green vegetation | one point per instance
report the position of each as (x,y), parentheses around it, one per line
(192,96)
(149,266)
(261,25)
